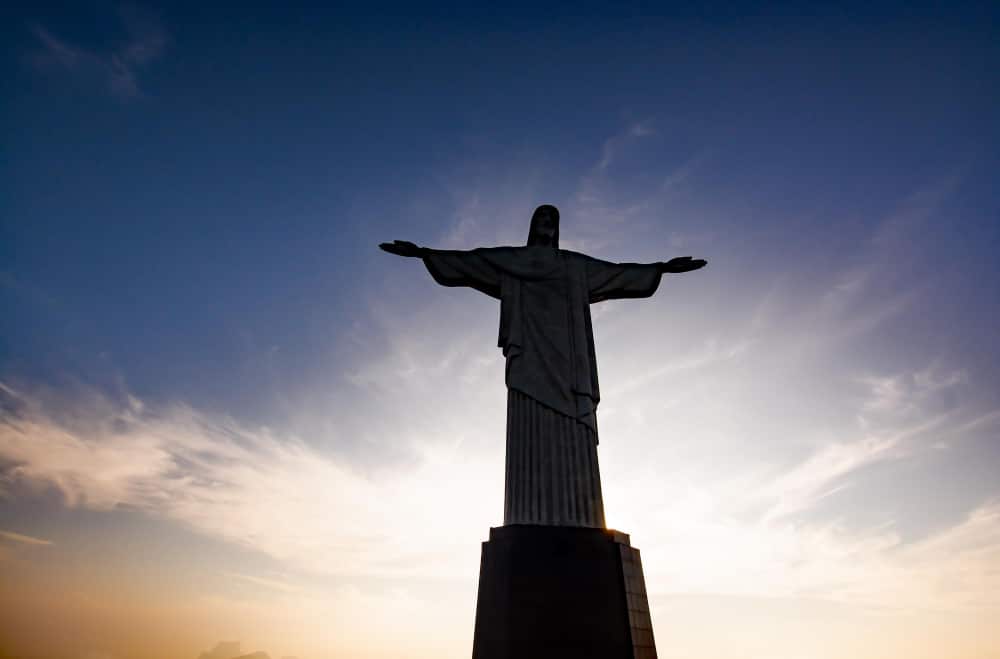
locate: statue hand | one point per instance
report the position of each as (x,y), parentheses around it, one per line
(402,248)
(682,264)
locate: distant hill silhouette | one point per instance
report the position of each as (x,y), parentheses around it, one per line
(222,650)
(231,650)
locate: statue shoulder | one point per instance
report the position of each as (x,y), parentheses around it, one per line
(503,249)
(575,256)
(500,255)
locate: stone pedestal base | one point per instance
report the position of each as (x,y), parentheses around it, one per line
(558,592)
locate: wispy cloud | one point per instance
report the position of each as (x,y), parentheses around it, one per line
(252,487)
(610,201)
(822,474)
(24,539)
(701,540)
(711,353)
(866,288)
(266,582)
(11,544)
(117,67)
(897,412)
(613,145)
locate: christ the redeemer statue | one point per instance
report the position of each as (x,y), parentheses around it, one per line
(545,293)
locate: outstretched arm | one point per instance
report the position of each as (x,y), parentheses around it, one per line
(453,267)
(613,281)
(403,248)
(682,264)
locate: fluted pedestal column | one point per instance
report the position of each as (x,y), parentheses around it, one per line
(552,475)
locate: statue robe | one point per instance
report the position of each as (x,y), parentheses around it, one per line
(552,473)
(545,329)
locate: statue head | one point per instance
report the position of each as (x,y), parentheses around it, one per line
(544,230)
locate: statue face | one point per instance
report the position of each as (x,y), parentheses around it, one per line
(544,228)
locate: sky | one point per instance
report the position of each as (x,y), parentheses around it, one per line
(229,423)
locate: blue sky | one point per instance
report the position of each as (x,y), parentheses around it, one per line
(192,293)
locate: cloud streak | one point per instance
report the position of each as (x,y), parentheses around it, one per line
(24,539)
(117,69)
(248,486)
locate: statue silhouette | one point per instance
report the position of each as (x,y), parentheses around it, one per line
(545,293)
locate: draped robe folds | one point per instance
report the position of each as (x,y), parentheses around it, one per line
(548,341)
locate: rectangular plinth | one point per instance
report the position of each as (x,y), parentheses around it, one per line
(557,592)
